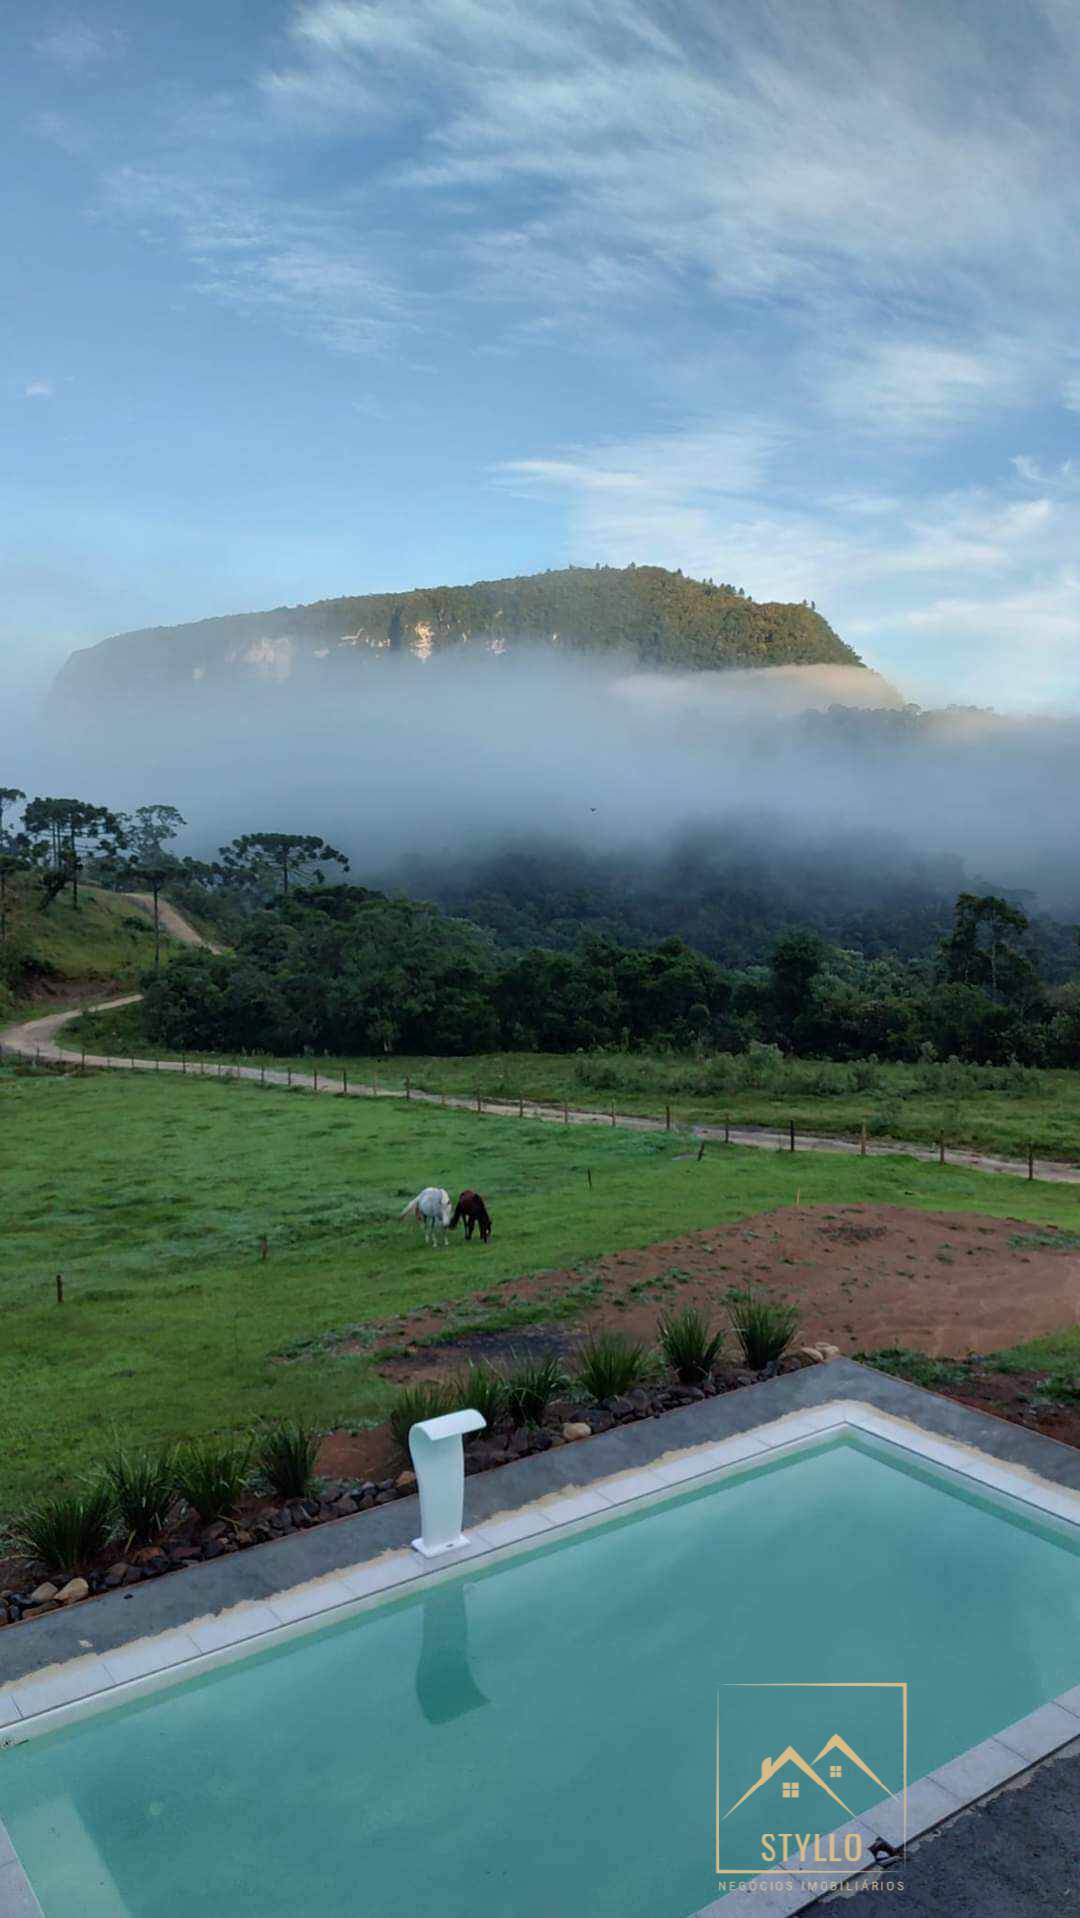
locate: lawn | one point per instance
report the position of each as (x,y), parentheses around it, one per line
(151,1197)
(992,1109)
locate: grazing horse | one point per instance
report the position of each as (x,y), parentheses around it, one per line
(431,1209)
(471,1208)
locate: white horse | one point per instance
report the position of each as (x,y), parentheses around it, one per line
(431,1208)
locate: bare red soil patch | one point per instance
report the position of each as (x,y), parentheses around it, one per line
(864,1277)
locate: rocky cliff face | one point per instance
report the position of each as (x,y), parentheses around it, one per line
(657,619)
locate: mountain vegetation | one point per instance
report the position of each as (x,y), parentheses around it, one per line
(656,617)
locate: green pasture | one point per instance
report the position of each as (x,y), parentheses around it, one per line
(151,1198)
(989,1109)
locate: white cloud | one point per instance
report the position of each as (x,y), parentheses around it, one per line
(38,390)
(297,262)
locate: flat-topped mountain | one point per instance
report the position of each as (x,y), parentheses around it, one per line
(658,619)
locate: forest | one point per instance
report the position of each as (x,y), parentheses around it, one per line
(315,962)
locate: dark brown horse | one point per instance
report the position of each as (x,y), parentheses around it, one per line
(472,1210)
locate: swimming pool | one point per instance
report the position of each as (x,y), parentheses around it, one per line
(539,1732)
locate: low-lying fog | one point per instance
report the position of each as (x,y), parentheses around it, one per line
(459,753)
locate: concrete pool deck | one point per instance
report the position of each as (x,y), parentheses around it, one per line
(67,1664)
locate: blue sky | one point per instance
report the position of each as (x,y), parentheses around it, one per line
(354,294)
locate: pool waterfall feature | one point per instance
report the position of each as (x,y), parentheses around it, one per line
(437,1452)
(449,1720)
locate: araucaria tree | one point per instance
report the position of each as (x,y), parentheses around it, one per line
(272,861)
(70,827)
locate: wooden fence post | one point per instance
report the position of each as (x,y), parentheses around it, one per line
(862,1140)
(667,1118)
(408,1087)
(941,1149)
(521,1108)
(1031,1159)
(344,1080)
(288,1075)
(566,1114)
(791,1124)
(315,1078)
(479,1103)
(59,1288)
(183,1061)
(727,1128)
(262,1075)
(613,1112)
(82,1065)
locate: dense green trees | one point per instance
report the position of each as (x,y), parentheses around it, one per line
(339,968)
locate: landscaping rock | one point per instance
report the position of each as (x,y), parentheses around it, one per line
(639,1399)
(576,1429)
(406,1481)
(37,1611)
(42,1594)
(385,1498)
(117,1573)
(75,1589)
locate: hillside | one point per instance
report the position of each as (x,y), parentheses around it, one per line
(657,618)
(56,953)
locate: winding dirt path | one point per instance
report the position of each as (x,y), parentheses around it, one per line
(37,1038)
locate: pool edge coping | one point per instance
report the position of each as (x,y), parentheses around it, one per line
(88,1685)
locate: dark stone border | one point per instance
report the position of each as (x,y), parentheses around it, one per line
(114,1619)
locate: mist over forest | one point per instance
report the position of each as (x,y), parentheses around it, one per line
(539,794)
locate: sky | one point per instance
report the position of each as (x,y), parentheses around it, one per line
(350,295)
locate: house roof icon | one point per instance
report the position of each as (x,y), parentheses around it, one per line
(790,1758)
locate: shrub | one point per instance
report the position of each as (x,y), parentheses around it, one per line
(211,1475)
(531,1384)
(143,1488)
(610,1364)
(427,1399)
(286,1457)
(689,1345)
(482,1388)
(66,1532)
(764,1327)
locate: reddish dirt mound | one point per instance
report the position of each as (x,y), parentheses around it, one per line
(944,1283)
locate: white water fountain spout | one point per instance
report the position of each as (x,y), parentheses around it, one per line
(439,1460)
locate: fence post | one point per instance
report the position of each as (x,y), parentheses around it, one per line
(262,1075)
(566,1114)
(862,1140)
(941,1149)
(1031,1159)
(521,1108)
(791,1124)
(613,1112)
(288,1075)
(344,1080)
(157,1062)
(82,1066)
(727,1128)
(59,1288)
(479,1103)
(408,1087)
(183,1061)
(315,1078)
(588,1175)
(667,1118)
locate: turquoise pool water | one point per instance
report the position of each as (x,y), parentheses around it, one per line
(540,1736)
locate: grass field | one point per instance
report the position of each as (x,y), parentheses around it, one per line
(151,1197)
(993,1109)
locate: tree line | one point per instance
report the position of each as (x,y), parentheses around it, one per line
(342,969)
(321,964)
